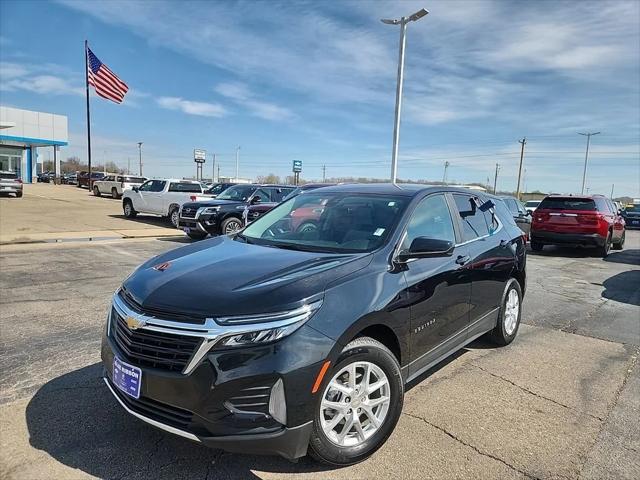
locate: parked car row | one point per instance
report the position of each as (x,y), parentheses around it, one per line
(115,185)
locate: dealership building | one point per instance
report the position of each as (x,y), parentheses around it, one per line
(23,133)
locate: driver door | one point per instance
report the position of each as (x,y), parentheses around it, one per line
(439,288)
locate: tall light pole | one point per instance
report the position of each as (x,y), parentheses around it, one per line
(495,179)
(444,176)
(586,158)
(237,162)
(140,157)
(403,21)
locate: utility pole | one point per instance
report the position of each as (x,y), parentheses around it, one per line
(522,142)
(237,163)
(612,185)
(586,158)
(140,158)
(444,176)
(324,173)
(128,165)
(403,21)
(213,169)
(218,172)
(495,179)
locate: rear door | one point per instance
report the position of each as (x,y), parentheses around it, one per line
(106,184)
(491,258)
(439,287)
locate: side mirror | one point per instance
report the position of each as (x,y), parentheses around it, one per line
(529,213)
(255,200)
(135,189)
(424,247)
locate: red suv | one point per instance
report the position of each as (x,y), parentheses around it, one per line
(584,220)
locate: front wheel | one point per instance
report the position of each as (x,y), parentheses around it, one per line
(509,317)
(96,191)
(231,225)
(359,406)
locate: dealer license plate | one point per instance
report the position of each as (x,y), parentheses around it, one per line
(127,377)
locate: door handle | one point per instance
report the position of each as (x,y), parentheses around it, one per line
(462,259)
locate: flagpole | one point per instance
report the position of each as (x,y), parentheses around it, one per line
(86,83)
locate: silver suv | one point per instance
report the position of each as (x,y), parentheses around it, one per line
(10,183)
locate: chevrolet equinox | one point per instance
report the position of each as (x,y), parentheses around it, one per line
(299,333)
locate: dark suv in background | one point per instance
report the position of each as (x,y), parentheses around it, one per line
(223,215)
(578,220)
(282,340)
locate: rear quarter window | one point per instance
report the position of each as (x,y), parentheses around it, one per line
(8,176)
(567,203)
(185,187)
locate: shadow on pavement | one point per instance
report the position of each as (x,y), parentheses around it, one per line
(623,287)
(147,220)
(75,419)
(562,251)
(632,257)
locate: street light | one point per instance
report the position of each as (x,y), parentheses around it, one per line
(586,157)
(140,157)
(396,128)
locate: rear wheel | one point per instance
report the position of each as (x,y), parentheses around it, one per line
(359,406)
(510,313)
(604,250)
(19,194)
(96,191)
(536,246)
(231,225)
(174,216)
(114,193)
(127,208)
(196,235)
(620,244)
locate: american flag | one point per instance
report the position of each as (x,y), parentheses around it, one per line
(106,83)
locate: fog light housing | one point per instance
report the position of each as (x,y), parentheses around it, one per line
(278,403)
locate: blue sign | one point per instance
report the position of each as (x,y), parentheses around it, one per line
(297,166)
(127,377)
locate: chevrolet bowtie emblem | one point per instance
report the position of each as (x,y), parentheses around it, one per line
(135,323)
(161,267)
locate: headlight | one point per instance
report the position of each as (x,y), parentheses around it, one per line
(265,328)
(210,210)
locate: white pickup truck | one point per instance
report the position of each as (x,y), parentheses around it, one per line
(160,197)
(115,185)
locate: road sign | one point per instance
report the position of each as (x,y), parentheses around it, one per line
(297,166)
(199,156)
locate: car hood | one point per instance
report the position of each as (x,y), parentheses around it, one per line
(222,276)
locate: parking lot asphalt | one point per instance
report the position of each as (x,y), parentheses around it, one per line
(562,401)
(50,212)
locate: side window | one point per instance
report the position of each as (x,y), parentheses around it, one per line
(602,205)
(264,194)
(431,219)
(157,186)
(278,194)
(146,186)
(119,179)
(108,178)
(473,220)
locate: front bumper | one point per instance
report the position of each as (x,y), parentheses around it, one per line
(204,223)
(213,403)
(554,238)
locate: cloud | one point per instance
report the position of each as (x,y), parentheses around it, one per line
(191,107)
(15,77)
(241,94)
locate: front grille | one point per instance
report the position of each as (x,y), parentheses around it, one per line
(189,212)
(146,348)
(161,412)
(250,400)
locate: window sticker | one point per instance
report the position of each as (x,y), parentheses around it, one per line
(378,232)
(391,204)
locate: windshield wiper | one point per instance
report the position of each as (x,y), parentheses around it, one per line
(300,248)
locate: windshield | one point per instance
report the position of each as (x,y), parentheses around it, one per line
(532,203)
(633,208)
(134,179)
(218,188)
(237,193)
(330,222)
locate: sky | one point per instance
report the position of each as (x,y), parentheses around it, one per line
(315,81)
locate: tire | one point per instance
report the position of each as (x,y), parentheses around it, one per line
(197,235)
(307,227)
(96,191)
(536,246)
(174,216)
(227,226)
(127,208)
(356,446)
(620,245)
(19,194)
(507,328)
(114,193)
(604,250)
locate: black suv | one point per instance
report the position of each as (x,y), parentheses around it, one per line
(284,339)
(224,213)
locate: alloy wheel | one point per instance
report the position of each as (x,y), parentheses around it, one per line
(355,404)
(232,227)
(511,311)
